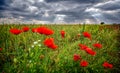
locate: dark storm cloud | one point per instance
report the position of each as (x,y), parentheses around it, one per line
(75,13)
(113,5)
(2,2)
(80,1)
(65,11)
(112,17)
(109,11)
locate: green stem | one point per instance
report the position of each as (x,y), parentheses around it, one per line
(81,33)
(83,28)
(16,46)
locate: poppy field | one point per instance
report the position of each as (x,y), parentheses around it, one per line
(59,48)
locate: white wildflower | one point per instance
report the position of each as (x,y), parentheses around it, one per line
(32,46)
(35,42)
(39,40)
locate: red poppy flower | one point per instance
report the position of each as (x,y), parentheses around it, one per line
(107,65)
(62,33)
(76,57)
(84,63)
(97,45)
(53,46)
(0,49)
(90,51)
(47,31)
(43,30)
(15,31)
(87,35)
(25,29)
(83,47)
(49,42)
(34,29)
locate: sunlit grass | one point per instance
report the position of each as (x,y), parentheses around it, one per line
(26,53)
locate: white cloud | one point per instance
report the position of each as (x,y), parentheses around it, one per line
(32,9)
(41,0)
(46,14)
(21,17)
(38,21)
(92,9)
(31,1)
(107,2)
(59,18)
(89,21)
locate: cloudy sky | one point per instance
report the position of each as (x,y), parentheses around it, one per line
(61,11)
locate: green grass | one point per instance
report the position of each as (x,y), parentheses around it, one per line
(18,55)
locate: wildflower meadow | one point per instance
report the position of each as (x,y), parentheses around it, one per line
(59,48)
